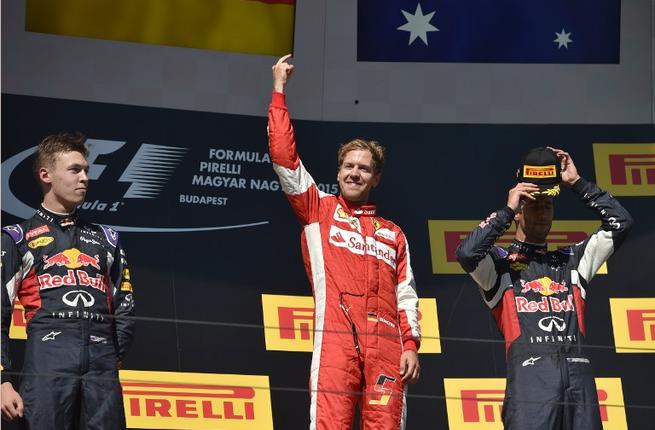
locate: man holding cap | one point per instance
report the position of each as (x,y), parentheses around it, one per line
(537,297)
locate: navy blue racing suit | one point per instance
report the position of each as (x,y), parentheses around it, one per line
(73,280)
(537,298)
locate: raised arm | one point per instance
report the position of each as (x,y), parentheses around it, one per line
(616,222)
(476,252)
(296,182)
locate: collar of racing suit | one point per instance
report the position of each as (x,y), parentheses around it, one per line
(526,251)
(356,209)
(63,220)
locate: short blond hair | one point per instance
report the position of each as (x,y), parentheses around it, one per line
(376,150)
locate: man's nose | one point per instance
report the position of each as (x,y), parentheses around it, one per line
(84,177)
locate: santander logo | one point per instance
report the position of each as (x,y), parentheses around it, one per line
(357,244)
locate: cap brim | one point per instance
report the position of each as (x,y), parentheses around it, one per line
(547,190)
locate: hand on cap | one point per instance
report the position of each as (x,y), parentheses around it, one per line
(569,171)
(281,73)
(519,194)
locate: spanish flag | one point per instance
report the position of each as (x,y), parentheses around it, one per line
(249,26)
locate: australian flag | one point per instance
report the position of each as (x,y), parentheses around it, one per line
(489,31)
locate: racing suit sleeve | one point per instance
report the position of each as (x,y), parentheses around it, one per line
(11,280)
(296,182)
(122,302)
(616,222)
(477,254)
(407,299)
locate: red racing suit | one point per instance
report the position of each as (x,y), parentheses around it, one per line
(366,307)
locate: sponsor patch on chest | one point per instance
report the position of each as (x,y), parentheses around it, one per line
(360,245)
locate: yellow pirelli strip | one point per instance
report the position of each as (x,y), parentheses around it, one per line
(249,26)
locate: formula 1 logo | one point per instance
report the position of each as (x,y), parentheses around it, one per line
(127,187)
(147,173)
(74,297)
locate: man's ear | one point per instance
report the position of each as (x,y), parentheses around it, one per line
(376,179)
(518,215)
(44,175)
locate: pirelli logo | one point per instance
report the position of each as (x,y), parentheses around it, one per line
(625,169)
(633,322)
(539,172)
(477,404)
(18,327)
(167,400)
(446,235)
(289,323)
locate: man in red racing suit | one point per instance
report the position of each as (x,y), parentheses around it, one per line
(366,331)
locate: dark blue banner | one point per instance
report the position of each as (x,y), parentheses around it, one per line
(484,31)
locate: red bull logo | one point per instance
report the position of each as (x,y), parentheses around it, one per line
(72,258)
(544,286)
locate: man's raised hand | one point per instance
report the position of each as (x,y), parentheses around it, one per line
(281,73)
(519,194)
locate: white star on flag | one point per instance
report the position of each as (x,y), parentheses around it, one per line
(418,25)
(563,39)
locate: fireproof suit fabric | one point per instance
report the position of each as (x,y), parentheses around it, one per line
(366,307)
(537,298)
(73,281)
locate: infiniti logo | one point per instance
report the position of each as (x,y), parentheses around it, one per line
(72,298)
(548,323)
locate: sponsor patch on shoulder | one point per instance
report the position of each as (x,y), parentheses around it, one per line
(15,231)
(386,233)
(111,235)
